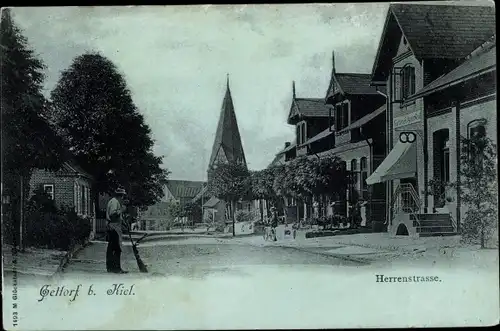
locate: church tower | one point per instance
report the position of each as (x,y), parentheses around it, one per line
(227,147)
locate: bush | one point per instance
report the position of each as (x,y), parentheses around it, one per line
(48,227)
(242,216)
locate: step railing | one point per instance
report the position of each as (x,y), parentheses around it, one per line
(406,200)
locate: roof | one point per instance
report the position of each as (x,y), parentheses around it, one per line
(365,119)
(227,135)
(323,134)
(473,67)
(434,31)
(72,166)
(184,188)
(308,107)
(289,148)
(276,161)
(211,203)
(351,83)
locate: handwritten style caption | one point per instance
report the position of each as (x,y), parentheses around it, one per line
(72,293)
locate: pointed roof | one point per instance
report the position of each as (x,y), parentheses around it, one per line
(184,188)
(306,107)
(227,138)
(433,31)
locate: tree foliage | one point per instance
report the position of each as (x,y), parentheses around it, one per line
(304,177)
(261,183)
(478,188)
(28,139)
(105,130)
(229,181)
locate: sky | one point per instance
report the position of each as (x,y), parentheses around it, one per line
(175,60)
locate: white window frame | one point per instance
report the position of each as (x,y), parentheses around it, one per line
(301,138)
(51,194)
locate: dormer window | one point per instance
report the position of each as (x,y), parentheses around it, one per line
(407,81)
(341,115)
(301,132)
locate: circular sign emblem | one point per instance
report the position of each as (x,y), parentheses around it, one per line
(407,137)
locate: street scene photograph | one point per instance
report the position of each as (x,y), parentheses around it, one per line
(249,166)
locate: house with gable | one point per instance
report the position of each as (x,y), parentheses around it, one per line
(356,134)
(158,217)
(69,187)
(310,116)
(437,64)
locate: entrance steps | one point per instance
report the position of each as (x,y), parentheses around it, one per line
(432,225)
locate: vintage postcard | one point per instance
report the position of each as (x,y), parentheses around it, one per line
(249,166)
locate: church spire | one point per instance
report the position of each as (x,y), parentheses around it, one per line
(227,145)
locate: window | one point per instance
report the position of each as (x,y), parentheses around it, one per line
(345,114)
(477,130)
(341,116)
(82,199)
(301,133)
(364,176)
(338,118)
(407,81)
(446,161)
(355,173)
(49,190)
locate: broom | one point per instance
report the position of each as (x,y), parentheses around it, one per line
(140,263)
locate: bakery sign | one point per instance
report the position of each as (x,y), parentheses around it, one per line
(404,120)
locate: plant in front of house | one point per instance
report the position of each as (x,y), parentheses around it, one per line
(54,228)
(478,189)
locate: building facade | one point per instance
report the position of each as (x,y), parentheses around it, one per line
(70,187)
(420,47)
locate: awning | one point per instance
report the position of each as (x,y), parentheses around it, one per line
(365,119)
(400,163)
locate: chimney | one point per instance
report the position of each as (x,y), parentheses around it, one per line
(293,88)
(287,144)
(333,60)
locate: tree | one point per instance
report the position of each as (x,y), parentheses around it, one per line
(176,211)
(229,182)
(478,188)
(193,211)
(261,183)
(305,178)
(28,140)
(96,113)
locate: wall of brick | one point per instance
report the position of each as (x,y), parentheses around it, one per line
(63,186)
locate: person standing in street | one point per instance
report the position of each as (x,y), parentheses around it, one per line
(114,217)
(274,222)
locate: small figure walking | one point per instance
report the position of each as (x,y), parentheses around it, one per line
(114,216)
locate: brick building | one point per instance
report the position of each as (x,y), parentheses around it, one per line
(70,187)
